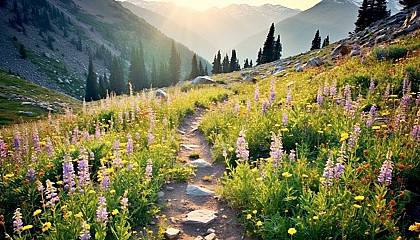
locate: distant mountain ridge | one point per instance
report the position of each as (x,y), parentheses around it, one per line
(223,28)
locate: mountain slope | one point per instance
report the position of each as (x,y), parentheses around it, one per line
(59,35)
(332,17)
(225,27)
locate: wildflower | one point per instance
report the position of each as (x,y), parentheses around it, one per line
(328,174)
(415,227)
(124,201)
(101,213)
(78,215)
(150,138)
(112,191)
(37,146)
(333,89)
(49,148)
(17,223)
(68,174)
(385,176)
(149,169)
(285,119)
(357,206)
(326,88)
(353,138)
(372,86)
(257,94)
(276,148)
(248,104)
(371,116)
(288,101)
(30,175)
(344,136)
(259,223)
(286,174)
(38,211)
(46,226)
(304,176)
(237,107)
(115,212)
(27,227)
(40,187)
(264,107)
(83,169)
(406,85)
(105,180)
(291,231)
(85,234)
(130,145)
(359,198)
(3,147)
(249,216)
(316,218)
(254,212)
(51,193)
(292,155)
(319,97)
(242,152)
(376,127)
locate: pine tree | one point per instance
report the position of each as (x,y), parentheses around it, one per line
(163,79)
(116,80)
(3,3)
(206,71)
(174,68)
(326,41)
(225,64)
(268,49)
(154,75)
(194,68)
(246,63)
(409,3)
(201,69)
(379,10)
(250,64)
(259,58)
(217,63)
(22,51)
(316,42)
(91,83)
(102,86)
(234,62)
(370,12)
(138,76)
(278,48)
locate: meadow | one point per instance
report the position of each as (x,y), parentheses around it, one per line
(330,152)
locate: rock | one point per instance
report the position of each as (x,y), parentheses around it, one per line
(160,194)
(211,230)
(26,103)
(342,49)
(186,147)
(244,73)
(169,188)
(201,163)
(172,233)
(355,52)
(199,238)
(161,93)
(198,191)
(412,28)
(201,217)
(279,69)
(250,78)
(255,73)
(211,236)
(152,223)
(298,66)
(314,62)
(27,113)
(203,80)
(380,38)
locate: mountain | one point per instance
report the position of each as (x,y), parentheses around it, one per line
(332,17)
(57,37)
(223,28)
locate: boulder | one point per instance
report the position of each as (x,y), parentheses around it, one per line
(298,66)
(250,78)
(198,191)
(342,49)
(314,62)
(161,93)
(203,80)
(201,217)
(200,163)
(172,233)
(255,73)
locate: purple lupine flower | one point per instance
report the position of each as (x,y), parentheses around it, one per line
(248,104)
(385,176)
(117,162)
(92,156)
(398,119)
(326,90)
(292,155)
(124,201)
(372,86)
(406,101)
(371,116)
(272,96)
(288,101)
(276,148)
(347,92)
(17,223)
(120,117)
(264,107)
(150,138)
(85,234)
(387,90)
(130,146)
(105,179)
(16,142)
(3,153)
(242,152)
(138,110)
(101,213)
(328,171)
(285,119)
(257,94)
(333,89)
(97,131)
(237,108)
(273,91)
(415,133)
(68,174)
(127,115)
(319,97)
(352,142)
(117,145)
(30,175)
(137,135)
(75,135)
(51,193)
(149,169)
(83,169)
(338,170)
(39,186)
(37,146)
(165,121)
(49,148)
(406,85)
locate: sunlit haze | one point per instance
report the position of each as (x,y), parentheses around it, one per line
(205,4)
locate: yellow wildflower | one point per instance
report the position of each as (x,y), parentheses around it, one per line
(68,214)
(7,176)
(344,136)
(112,191)
(78,215)
(291,231)
(357,206)
(27,227)
(38,211)
(376,127)
(284,130)
(60,182)
(359,198)
(304,176)
(286,174)
(320,132)
(231,149)
(115,212)
(46,226)
(254,170)
(91,191)
(254,212)
(248,216)
(259,223)
(315,217)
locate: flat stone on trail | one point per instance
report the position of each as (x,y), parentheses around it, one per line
(198,191)
(200,217)
(172,233)
(211,236)
(201,163)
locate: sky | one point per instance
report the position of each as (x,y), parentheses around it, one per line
(205,4)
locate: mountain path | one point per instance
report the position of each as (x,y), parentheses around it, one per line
(224,226)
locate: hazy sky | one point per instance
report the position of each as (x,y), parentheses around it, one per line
(204,4)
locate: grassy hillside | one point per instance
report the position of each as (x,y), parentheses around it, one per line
(23,101)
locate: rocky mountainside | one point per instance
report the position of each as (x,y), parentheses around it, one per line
(223,28)
(48,42)
(393,5)
(332,17)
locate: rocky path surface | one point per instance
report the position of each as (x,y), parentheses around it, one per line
(195,212)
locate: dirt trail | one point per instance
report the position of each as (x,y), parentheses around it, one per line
(225,225)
